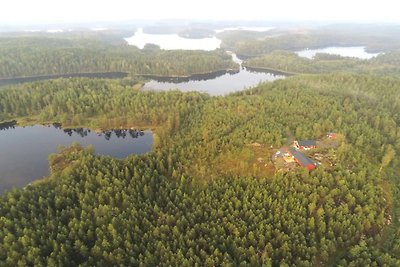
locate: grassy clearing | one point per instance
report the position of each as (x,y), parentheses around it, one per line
(249,160)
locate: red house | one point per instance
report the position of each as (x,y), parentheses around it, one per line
(305,144)
(303,160)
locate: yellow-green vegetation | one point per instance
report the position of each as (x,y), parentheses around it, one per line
(192,201)
(65,157)
(251,160)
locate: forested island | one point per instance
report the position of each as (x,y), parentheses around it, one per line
(209,193)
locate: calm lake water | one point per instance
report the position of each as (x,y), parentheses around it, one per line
(24,150)
(353,51)
(222,85)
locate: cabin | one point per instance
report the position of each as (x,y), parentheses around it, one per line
(302,159)
(305,144)
(331,135)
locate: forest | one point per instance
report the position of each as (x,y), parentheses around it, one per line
(383,64)
(47,55)
(200,197)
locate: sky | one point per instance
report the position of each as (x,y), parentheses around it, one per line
(14,12)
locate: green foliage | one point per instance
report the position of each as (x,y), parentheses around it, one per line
(102,103)
(171,207)
(385,64)
(130,210)
(30,56)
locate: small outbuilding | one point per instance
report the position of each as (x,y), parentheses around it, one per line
(305,144)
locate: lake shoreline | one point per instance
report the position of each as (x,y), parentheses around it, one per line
(119,75)
(26,79)
(16,123)
(269,70)
(7,124)
(25,149)
(191,77)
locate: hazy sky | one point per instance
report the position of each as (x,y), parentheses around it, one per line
(55,11)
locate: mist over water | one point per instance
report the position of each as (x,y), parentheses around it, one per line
(173,41)
(352,51)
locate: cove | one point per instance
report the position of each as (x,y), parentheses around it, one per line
(344,51)
(24,151)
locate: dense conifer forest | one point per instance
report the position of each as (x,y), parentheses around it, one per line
(46,55)
(201,197)
(286,61)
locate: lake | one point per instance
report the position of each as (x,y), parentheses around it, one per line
(350,51)
(221,85)
(24,150)
(172,41)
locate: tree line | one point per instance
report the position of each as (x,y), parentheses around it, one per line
(32,56)
(383,64)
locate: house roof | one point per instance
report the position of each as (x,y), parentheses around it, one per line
(301,158)
(307,143)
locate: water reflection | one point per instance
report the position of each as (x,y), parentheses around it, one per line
(119,133)
(24,150)
(7,125)
(191,78)
(221,85)
(216,83)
